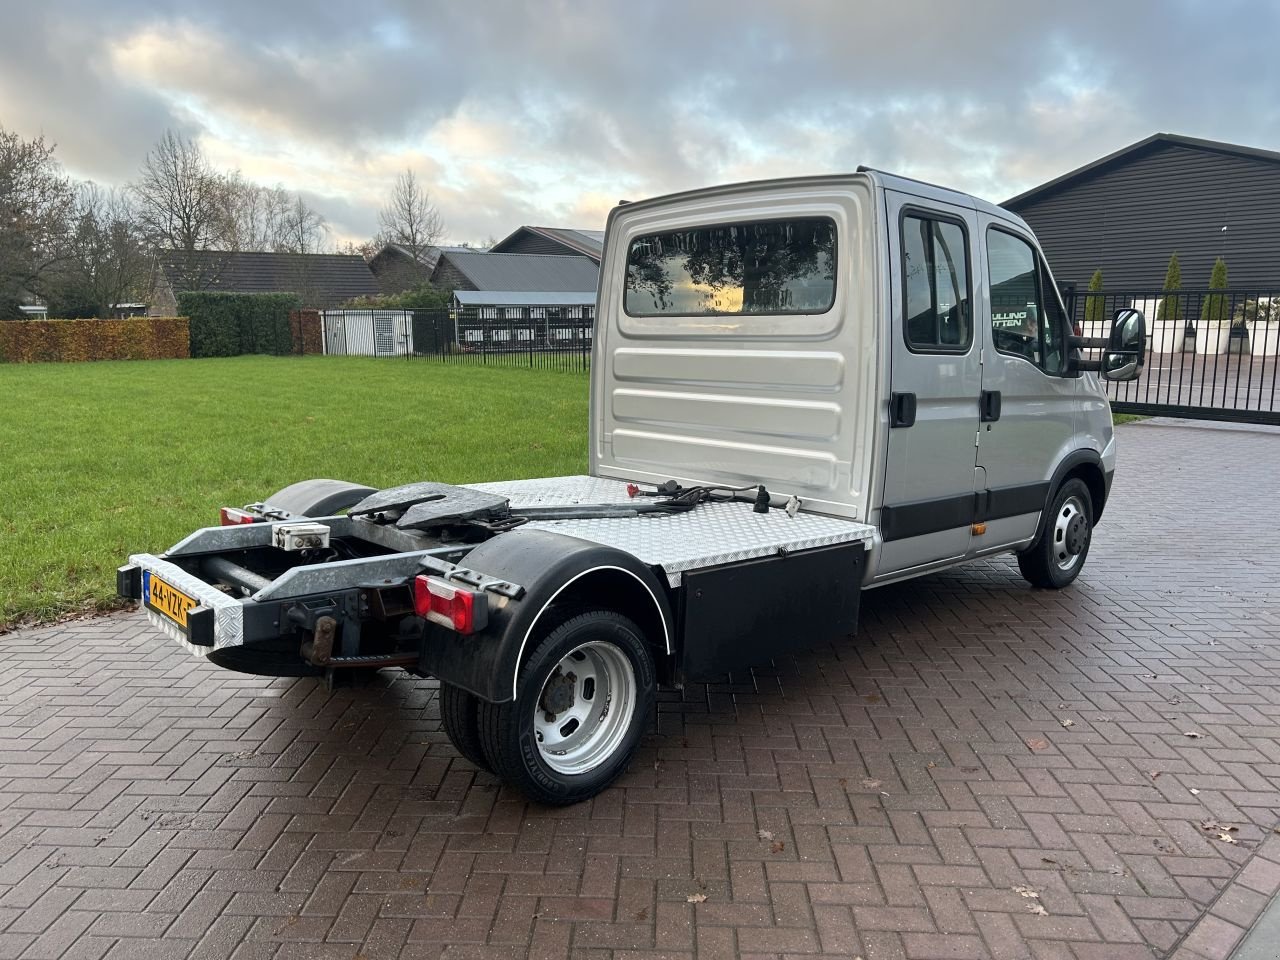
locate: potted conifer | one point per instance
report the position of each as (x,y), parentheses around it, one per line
(1213,332)
(1169,329)
(1095,308)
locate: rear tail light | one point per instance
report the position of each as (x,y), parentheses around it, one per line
(1077,329)
(462,611)
(230,517)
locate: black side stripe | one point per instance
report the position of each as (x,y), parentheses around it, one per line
(902,520)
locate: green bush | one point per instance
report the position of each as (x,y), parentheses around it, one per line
(422,297)
(1095,307)
(230,324)
(1216,307)
(1171,308)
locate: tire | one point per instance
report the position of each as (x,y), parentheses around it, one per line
(319,498)
(597,670)
(460,716)
(1059,553)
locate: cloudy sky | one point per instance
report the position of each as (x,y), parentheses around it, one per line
(550,112)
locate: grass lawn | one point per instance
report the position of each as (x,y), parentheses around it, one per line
(100,460)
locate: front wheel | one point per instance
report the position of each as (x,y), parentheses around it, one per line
(1058,555)
(583,698)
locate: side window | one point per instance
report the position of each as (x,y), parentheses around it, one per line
(935,282)
(1025,321)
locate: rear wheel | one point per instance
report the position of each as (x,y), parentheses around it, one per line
(583,698)
(460,716)
(1058,556)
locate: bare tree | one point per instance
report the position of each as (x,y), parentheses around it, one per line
(181,199)
(35,209)
(107,261)
(302,228)
(410,219)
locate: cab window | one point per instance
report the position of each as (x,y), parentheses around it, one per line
(935,283)
(764,267)
(1026,318)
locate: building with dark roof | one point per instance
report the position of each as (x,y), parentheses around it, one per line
(398,270)
(320,280)
(1128,211)
(553,241)
(532,273)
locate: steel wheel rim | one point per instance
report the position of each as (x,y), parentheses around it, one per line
(1063,558)
(588,730)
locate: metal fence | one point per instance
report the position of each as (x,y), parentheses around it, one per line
(554,338)
(1211,354)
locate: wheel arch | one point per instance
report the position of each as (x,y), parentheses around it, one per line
(1085,464)
(553,569)
(609,587)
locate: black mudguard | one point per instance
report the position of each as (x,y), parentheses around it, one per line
(544,563)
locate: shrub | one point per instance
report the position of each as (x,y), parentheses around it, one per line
(134,338)
(230,324)
(1172,308)
(1216,307)
(422,297)
(1094,307)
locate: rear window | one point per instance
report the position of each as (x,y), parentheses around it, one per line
(764,267)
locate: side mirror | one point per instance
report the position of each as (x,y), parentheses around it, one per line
(1126,348)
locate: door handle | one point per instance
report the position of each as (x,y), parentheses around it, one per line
(902,409)
(989,406)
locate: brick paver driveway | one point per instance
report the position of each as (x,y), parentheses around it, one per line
(986,770)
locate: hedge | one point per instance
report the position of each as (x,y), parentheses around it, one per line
(230,324)
(134,338)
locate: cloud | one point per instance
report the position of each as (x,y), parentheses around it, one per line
(549,113)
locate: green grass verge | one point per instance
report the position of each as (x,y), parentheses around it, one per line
(1119,418)
(101,460)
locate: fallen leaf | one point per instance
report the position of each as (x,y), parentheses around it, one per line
(1209,825)
(931,764)
(1154,774)
(1193,735)
(1037,909)
(1067,723)
(1049,860)
(778,846)
(696,898)
(1026,892)
(871,784)
(843,781)
(642,914)
(1195,792)
(764,834)
(1227,838)
(1037,743)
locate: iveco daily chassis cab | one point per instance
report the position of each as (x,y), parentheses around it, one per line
(799,389)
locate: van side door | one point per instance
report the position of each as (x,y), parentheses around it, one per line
(1030,396)
(934,381)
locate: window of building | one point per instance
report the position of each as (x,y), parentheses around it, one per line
(935,281)
(764,267)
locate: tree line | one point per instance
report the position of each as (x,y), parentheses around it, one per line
(82,248)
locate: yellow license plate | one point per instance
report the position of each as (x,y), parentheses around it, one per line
(166,599)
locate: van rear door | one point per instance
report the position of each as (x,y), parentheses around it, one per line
(934,382)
